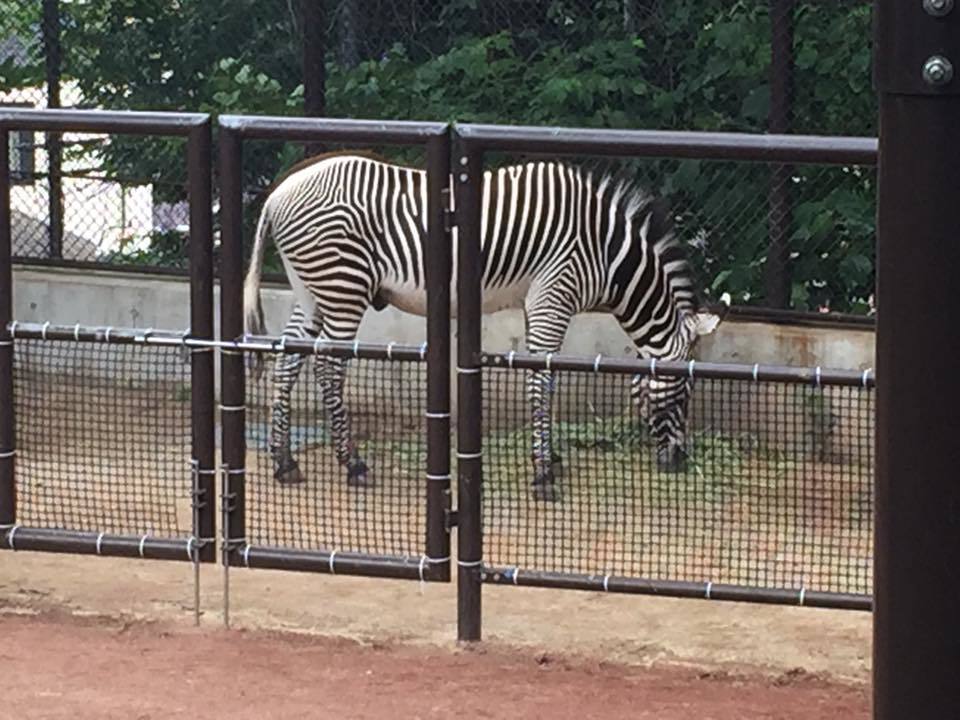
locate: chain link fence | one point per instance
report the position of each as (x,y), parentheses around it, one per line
(793,237)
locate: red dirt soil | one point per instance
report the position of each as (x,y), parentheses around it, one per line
(58,665)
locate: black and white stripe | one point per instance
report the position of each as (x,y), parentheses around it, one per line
(556,241)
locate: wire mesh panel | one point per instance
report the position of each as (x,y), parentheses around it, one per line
(104,438)
(385,401)
(775,491)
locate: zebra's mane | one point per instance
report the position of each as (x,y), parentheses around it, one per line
(638,204)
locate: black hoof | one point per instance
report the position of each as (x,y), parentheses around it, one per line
(358,474)
(545,488)
(556,465)
(671,460)
(289,474)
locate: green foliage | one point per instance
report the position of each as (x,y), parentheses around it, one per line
(687,64)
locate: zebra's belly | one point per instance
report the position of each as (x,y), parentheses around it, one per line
(414,300)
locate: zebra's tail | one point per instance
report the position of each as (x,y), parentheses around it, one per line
(253,322)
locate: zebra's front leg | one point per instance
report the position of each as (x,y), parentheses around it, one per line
(331,372)
(540,389)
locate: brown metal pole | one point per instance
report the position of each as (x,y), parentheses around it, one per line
(199,160)
(53,55)
(232,373)
(8,488)
(917,581)
(468,181)
(438,267)
(314,65)
(777,270)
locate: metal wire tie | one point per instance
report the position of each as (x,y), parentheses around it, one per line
(469,563)
(43,330)
(606,582)
(144,336)
(438,478)
(99,542)
(469,371)
(516,575)
(866,373)
(803,592)
(756,372)
(13,329)
(818,376)
(6,343)
(510,356)
(690,368)
(356,348)
(76,332)
(143,541)
(333,554)
(469,456)
(107,334)
(10,535)
(709,589)
(317,343)
(653,367)
(390,350)
(7,454)
(549,360)
(436,415)
(596,363)
(423,351)
(232,408)
(246,555)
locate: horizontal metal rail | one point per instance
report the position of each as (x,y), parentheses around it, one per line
(101,121)
(676,589)
(77,542)
(817,377)
(655,143)
(340,563)
(260,344)
(376,132)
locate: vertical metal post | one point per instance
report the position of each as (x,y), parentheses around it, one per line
(313,16)
(468,181)
(777,271)
(438,275)
(232,373)
(8,488)
(917,582)
(199,159)
(53,53)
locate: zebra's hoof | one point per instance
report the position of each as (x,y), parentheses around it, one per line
(545,488)
(289,475)
(358,474)
(671,460)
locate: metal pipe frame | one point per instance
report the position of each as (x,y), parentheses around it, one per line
(331,562)
(816,377)
(676,589)
(79,542)
(747,147)
(196,129)
(435,138)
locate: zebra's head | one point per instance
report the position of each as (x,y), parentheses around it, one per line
(666,399)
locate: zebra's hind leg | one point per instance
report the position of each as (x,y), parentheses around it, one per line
(286,470)
(547,320)
(331,372)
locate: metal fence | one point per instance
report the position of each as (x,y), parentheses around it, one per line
(120,459)
(781,236)
(774,504)
(736,524)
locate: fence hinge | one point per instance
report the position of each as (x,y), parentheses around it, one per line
(450,519)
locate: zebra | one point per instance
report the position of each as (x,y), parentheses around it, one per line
(557,240)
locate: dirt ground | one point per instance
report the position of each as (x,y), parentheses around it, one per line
(105,638)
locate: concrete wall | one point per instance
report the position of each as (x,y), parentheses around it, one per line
(126,300)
